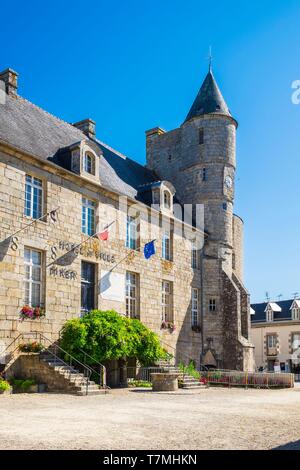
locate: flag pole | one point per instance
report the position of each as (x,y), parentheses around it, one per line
(128,254)
(31,223)
(81,243)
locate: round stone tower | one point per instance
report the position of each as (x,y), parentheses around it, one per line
(209,139)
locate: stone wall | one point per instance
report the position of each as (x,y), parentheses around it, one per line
(238,246)
(29,366)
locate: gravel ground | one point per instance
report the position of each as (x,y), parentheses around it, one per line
(140,419)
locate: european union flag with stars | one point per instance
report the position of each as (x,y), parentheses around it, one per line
(149,249)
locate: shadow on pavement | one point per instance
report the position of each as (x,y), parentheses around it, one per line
(289,446)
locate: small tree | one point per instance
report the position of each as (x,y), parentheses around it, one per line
(108,335)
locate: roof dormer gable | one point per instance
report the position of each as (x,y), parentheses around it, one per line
(83,158)
(272,306)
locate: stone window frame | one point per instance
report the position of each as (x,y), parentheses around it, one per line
(88,163)
(269,315)
(291,335)
(195,309)
(30,280)
(167,199)
(277,345)
(40,187)
(195,255)
(135,299)
(295,314)
(132,240)
(167,314)
(167,245)
(212,305)
(201,135)
(86,204)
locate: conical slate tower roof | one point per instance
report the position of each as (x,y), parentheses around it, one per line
(209,99)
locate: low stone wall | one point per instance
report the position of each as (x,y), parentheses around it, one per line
(164,382)
(29,366)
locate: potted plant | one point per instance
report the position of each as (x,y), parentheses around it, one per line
(33,347)
(31,313)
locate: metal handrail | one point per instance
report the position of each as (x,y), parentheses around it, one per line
(10,344)
(102,374)
(36,335)
(87,370)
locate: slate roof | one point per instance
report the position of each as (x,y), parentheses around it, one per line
(209,99)
(30,128)
(260,315)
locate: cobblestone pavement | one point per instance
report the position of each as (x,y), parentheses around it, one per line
(140,419)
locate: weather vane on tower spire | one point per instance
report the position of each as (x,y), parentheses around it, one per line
(210,59)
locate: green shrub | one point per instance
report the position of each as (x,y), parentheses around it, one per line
(190,369)
(139,383)
(108,335)
(4,386)
(22,385)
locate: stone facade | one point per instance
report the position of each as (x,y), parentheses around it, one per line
(62,291)
(283,327)
(197,161)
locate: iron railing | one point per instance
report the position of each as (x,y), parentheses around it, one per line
(69,361)
(142,373)
(248,379)
(53,350)
(102,369)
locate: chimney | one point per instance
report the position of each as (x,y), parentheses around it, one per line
(10,78)
(87,126)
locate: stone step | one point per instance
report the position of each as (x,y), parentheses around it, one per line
(76,382)
(100,391)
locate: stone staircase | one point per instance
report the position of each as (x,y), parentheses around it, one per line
(70,379)
(185,381)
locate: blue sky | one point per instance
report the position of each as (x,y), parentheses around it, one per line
(136,64)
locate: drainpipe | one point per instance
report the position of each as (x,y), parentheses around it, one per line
(202,304)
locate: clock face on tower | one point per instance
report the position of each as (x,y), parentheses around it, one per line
(228,182)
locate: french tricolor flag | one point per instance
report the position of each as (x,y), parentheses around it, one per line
(103,235)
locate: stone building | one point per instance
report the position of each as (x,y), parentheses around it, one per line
(275,331)
(60,186)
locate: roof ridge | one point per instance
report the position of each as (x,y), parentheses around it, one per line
(50,114)
(108,147)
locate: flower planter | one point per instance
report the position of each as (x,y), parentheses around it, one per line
(31,313)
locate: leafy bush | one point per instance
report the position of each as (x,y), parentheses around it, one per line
(190,369)
(4,386)
(108,335)
(139,383)
(22,385)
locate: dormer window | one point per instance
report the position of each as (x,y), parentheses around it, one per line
(296,314)
(89,163)
(85,159)
(272,308)
(269,315)
(167,200)
(295,308)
